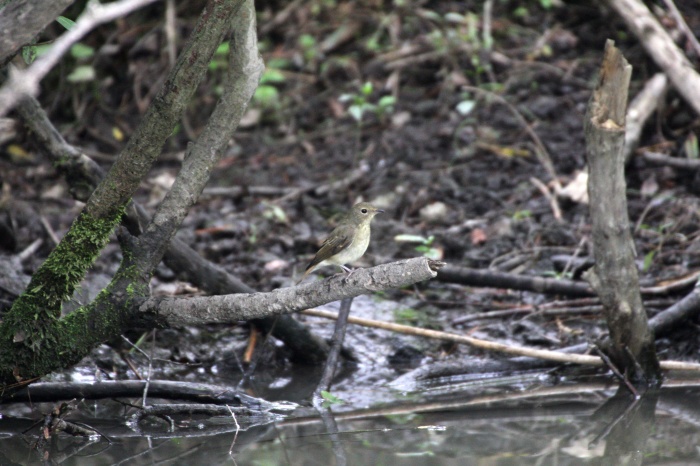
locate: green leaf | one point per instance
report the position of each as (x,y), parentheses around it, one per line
(278,63)
(82,73)
(272,75)
(520,12)
(42,49)
(82,51)
(329,397)
(387,101)
(648,260)
(267,96)
(223,48)
(65,22)
(367,88)
(356,112)
(307,41)
(410,239)
(430,253)
(522,215)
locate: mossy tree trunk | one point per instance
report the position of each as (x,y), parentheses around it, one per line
(34,338)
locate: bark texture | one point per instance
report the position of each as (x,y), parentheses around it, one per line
(614,276)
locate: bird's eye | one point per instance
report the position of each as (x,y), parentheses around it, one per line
(364,211)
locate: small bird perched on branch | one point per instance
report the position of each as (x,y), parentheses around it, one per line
(348,242)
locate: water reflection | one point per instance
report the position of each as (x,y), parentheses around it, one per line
(576,424)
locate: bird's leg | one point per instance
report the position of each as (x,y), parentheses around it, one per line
(347,270)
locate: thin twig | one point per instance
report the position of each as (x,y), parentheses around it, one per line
(27,81)
(489,345)
(341,325)
(238,428)
(683,26)
(556,211)
(541,151)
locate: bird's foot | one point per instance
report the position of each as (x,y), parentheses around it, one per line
(348,270)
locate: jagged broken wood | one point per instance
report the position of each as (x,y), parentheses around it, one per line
(614,276)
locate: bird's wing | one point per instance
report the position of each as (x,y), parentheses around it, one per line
(336,242)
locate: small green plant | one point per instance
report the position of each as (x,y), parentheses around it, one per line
(275,213)
(522,215)
(425,245)
(329,399)
(360,103)
(416,317)
(79,51)
(267,96)
(220,58)
(648,260)
(661,231)
(309,47)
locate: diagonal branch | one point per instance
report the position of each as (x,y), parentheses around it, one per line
(661,48)
(32,339)
(171,312)
(27,81)
(245,68)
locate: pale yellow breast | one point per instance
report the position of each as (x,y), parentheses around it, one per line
(354,251)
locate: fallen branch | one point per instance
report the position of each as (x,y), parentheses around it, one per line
(489,278)
(661,48)
(559,286)
(163,389)
(675,162)
(490,345)
(641,108)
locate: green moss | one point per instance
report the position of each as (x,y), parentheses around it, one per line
(38,308)
(66,341)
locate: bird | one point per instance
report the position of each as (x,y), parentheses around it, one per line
(347,242)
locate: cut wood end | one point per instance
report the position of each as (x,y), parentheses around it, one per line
(436,265)
(610,125)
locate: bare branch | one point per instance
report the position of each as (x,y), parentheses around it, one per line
(27,81)
(641,108)
(245,68)
(233,308)
(548,355)
(22,20)
(661,48)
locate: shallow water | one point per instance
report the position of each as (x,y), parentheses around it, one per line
(582,423)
